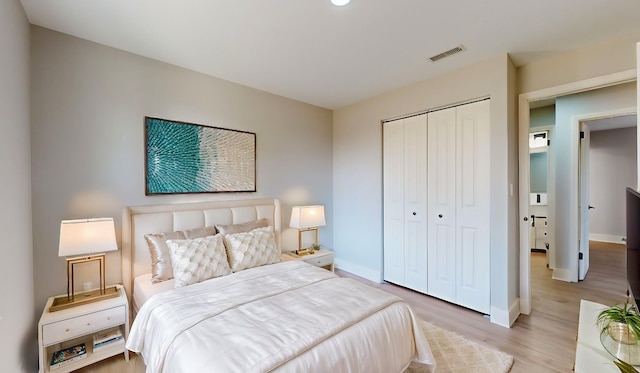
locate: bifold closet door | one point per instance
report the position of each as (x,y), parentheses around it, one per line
(442,204)
(458,215)
(405,202)
(473,191)
(393,192)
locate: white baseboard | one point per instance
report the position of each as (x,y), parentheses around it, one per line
(514,311)
(358,270)
(607,238)
(561,274)
(506,318)
(524,306)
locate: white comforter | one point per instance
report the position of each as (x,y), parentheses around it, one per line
(289,317)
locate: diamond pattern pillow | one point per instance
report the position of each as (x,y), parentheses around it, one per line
(161,267)
(198,259)
(251,249)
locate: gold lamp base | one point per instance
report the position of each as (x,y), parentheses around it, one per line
(72,299)
(64,301)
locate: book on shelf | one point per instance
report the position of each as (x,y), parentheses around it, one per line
(68,355)
(105,338)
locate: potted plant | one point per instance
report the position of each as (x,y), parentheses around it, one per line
(622,322)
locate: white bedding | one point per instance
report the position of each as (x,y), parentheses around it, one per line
(285,317)
(143,289)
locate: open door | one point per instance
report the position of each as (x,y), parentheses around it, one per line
(583,201)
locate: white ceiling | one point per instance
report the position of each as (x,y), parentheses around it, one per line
(312,51)
(604,124)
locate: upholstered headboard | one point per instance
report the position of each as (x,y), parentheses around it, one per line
(140,220)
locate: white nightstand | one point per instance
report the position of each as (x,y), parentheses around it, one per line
(71,326)
(321,258)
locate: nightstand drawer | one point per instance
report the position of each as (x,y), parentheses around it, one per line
(322,261)
(82,325)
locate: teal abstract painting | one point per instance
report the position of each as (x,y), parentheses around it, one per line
(192,158)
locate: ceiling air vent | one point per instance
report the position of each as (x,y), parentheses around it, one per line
(448,53)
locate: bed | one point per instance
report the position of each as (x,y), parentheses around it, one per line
(283,316)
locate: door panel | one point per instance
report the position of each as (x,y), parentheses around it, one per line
(394,230)
(415,214)
(472,209)
(441,177)
(468,272)
(583,169)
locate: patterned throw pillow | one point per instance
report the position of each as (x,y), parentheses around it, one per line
(251,249)
(198,259)
(161,268)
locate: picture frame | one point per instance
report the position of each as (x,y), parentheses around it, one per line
(183,158)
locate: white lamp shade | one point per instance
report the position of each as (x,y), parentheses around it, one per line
(87,236)
(303,217)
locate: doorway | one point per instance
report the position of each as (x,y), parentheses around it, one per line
(612,155)
(585,126)
(541,178)
(525,101)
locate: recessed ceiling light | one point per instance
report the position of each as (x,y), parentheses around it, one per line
(340,2)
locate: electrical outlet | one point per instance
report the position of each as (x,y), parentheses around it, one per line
(87,286)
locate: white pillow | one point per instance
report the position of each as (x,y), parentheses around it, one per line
(251,249)
(198,259)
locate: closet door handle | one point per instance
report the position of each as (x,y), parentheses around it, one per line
(440,216)
(414,213)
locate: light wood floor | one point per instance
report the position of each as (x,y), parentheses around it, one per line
(545,341)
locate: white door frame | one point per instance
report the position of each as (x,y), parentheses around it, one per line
(575,159)
(584,134)
(524,101)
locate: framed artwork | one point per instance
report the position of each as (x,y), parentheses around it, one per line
(193,158)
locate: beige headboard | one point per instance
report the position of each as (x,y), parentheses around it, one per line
(140,220)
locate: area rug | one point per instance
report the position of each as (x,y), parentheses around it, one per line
(454,353)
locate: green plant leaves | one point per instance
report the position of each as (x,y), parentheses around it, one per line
(623,313)
(625,367)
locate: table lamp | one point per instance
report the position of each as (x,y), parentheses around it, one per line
(82,241)
(307,218)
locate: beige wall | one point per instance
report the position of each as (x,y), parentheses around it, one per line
(17,313)
(357,169)
(595,60)
(88,106)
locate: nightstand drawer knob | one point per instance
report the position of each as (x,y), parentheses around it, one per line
(66,330)
(88,323)
(108,318)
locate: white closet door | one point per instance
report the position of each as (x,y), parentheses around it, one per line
(394,216)
(442,204)
(415,142)
(472,207)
